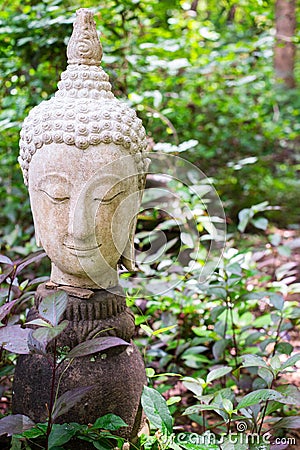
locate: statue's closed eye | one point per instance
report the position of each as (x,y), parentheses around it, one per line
(56,197)
(55,187)
(108,198)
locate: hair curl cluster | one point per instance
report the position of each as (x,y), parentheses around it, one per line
(84,113)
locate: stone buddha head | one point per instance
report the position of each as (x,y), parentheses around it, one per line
(82,154)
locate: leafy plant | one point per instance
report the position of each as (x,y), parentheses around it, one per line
(23,430)
(43,341)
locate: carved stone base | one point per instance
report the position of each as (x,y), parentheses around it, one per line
(117,375)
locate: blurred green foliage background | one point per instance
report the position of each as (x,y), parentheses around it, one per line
(200,75)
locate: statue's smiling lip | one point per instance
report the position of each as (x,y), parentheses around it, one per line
(75,249)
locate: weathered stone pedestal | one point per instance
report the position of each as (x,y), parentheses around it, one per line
(117,375)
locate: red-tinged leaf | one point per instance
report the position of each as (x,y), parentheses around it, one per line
(5,260)
(35,257)
(67,400)
(288,422)
(6,274)
(6,308)
(95,346)
(53,306)
(38,280)
(14,339)
(36,346)
(15,424)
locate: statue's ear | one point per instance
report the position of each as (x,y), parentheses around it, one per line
(128,257)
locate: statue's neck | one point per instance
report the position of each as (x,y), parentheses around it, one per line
(103,280)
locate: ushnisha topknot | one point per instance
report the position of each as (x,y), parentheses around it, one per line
(83,112)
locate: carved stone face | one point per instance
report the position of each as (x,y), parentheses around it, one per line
(84,204)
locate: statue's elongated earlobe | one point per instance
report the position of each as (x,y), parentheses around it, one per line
(37,239)
(128,257)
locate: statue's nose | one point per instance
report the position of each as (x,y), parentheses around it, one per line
(81,222)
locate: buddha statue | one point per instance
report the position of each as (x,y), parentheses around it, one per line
(83,157)
(82,154)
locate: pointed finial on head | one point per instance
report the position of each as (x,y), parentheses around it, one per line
(84,46)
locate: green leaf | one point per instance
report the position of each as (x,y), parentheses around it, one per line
(173,400)
(284,250)
(163,330)
(147,329)
(263,321)
(194,385)
(217,373)
(187,239)
(7,370)
(150,372)
(217,311)
(228,406)
(234,269)
(39,322)
(275,363)
(254,361)
(274,239)
(272,407)
(197,408)
(34,432)
(109,422)
(261,223)
(244,217)
(276,300)
(16,443)
(266,375)
(258,396)
(156,409)
(284,347)
(260,207)
(194,350)
(60,435)
(259,383)
(291,394)
(45,335)
(219,348)
(291,361)
(107,443)
(195,361)
(53,306)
